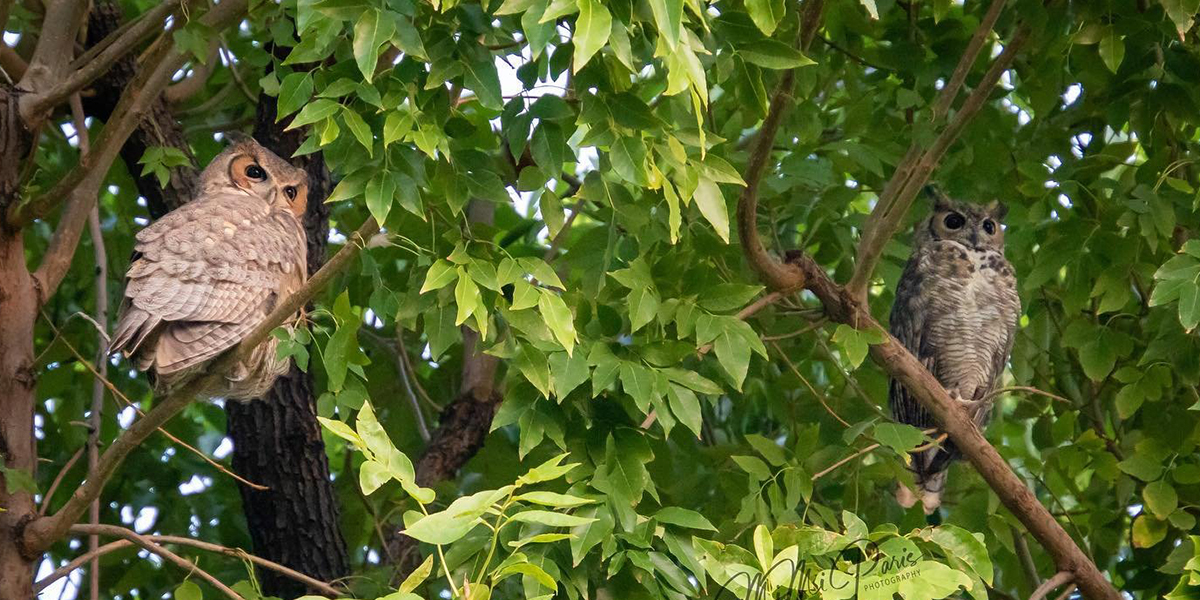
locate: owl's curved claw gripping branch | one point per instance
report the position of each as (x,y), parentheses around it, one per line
(39,534)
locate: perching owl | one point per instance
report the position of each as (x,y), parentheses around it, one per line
(956,310)
(207,273)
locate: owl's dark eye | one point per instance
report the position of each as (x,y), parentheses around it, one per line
(989,226)
(290,191)
(256,172)
(954,221)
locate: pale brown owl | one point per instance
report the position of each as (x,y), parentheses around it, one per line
(206,274)
(956,310)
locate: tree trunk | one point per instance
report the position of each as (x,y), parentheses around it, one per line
(18,310)
(277,441)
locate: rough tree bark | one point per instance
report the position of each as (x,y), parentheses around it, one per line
(277,442)
(18,309)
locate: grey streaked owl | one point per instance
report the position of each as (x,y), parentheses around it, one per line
(956,310)
(206,274)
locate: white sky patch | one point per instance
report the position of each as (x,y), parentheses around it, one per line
(1053,162)
(371,319)
(145,519)
(1072,94)
(195,485)
(223,449)
(66,588)
(1064,201)
(11,38)
(125,417)
(336,237)
(68,130)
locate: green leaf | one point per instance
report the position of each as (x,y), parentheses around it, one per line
(457,520)
(668,16)
(440,274)
(1112,50)
(559,318)
(188,591)
(768,449)
(532,363)
(638,382)
(592,28)
(547,471)
(682,517)
(712,205)
(961,543)
(370,32)
(686,407)
(418,576)
(380,192)
(754,466)
(294,91)
(1160,498)
(314,111)
(898,436)
(553,499)
(734,355)
(551,519)
(568,372)
(589,535)
(772,54)
(542,272)
(360,129)
(466,296)
(766,14)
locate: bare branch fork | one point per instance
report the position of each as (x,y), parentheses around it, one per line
(848,306)
(125,542)
(41,533)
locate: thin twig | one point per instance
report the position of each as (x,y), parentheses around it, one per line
(819,396)
(416,381)
(1059,578)
(58,480)
(406,377)
(101,318)
(1027,389)
(151,546)
(78,562)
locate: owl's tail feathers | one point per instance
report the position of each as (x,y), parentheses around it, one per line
(929,469)
(930,493)
(133,327)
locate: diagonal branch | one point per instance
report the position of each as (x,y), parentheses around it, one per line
(65,570)
(142,92)
(914,170)
(152,546)
(41,533)
(97,61)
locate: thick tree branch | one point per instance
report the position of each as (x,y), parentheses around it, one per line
(40,534)
(55,47)
(151,546)
(13,65)
(778,276)
(144,90)
(96,62)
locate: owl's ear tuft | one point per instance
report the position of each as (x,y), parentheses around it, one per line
(940,200)
(997,209)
